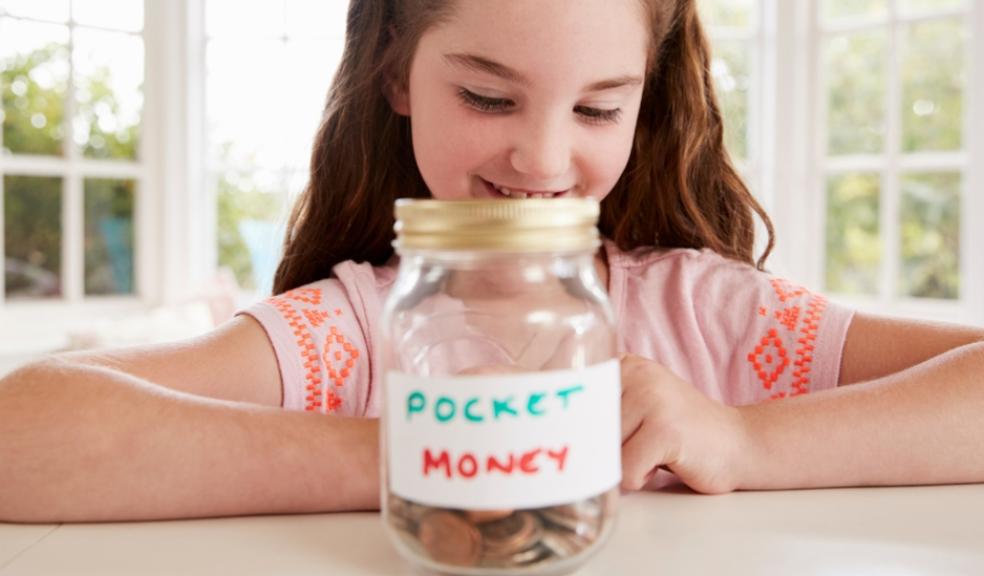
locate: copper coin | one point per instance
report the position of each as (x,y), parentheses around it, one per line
(511,535)
(483,516)
(450,539)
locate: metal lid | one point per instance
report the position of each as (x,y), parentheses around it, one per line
(532,225)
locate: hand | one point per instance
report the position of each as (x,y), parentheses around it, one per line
(667,423)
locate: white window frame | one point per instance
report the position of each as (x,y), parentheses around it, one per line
(796,162)
(171,252)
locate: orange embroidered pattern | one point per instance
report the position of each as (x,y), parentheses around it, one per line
(337,356)
(770,358)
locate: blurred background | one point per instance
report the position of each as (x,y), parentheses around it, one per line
(151,150)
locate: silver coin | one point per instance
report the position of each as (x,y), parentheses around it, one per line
(563,544)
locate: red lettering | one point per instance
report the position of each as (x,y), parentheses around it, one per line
(468,465)
(493,464)
(526,462)
(560,456)
(443,461)
(472,465)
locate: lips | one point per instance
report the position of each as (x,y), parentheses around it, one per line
(518,193)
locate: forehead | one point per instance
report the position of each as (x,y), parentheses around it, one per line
(551,41)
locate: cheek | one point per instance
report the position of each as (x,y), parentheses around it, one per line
(606,158)
(448,148)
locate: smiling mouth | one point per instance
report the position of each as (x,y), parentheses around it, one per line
(519,194)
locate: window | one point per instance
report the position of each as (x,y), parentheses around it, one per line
(733,29)
(268,67)
(71,74)
(894,156)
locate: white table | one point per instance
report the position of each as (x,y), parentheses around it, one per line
(874,531)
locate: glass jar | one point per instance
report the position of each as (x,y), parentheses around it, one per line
(500,429)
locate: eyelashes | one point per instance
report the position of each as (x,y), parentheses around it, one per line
(499,105)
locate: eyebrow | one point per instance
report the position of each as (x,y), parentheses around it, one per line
(487,66)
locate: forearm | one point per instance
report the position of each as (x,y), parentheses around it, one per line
(919,426)
(83,443)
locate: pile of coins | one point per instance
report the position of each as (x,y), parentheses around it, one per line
(500,538)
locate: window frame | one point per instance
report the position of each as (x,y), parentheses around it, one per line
(797,134)
(176,211)
(170,247)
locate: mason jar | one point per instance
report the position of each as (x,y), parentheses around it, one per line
(500,429)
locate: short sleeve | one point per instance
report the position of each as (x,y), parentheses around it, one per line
(320,347)
(784,339)
(738,334)
(799,341)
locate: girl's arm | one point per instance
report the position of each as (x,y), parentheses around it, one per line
(171,432)
(912,415)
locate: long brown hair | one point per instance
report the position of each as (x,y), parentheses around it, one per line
(679,188)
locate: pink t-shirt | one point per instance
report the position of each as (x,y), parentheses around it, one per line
(739,335)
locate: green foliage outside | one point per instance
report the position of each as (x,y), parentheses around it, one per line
(933,78)
(32,205)
(933,82)
(853,246)
(930,230)
(32,229)
(109,241)
(236,205)
(33,114)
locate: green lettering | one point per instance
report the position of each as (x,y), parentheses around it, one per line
(468,413)
(565,392)
(533,401)
(500,406)
(448,414)
(416,402)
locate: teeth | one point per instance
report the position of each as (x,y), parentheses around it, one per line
(521,195)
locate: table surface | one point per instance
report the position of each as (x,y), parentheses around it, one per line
(870,531)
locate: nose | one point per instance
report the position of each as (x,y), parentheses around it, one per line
(543,149)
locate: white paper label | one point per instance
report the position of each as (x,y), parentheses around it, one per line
(505,440)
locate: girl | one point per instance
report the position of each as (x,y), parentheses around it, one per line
(462,99)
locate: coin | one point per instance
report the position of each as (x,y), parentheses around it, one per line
(449,539)
(563,544)
(508,536)
(483,516)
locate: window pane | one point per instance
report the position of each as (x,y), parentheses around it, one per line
(853,243)
(728,13)
(109,76)
(310,65)
(924,6)
(316,18)
(730,69)
(251,211)
(109,236)
(930,236)
(933,85)
(50,10)
(834,10)
(32,236)
(855,71)
(244,110)
(113,14)
(253,19)
(34,74)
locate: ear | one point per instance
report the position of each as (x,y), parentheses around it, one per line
(398,97)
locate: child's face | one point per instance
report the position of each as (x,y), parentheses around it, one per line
(527,98)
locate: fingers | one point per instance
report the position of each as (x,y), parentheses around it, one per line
(642,455)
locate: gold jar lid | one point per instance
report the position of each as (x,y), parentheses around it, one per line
(531,225)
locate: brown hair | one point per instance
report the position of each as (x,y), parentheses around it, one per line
(679,188)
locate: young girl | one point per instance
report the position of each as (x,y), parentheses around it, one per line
(732,379)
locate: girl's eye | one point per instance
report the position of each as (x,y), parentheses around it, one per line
(599,115)
(487,104)
(483,103)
